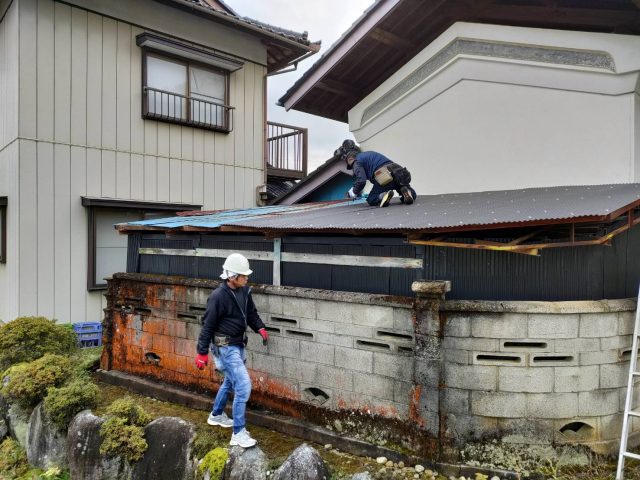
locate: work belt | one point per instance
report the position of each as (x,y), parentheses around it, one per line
(225,340)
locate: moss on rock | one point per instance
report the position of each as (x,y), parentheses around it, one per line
(214,462)
(63,403)
(123,431)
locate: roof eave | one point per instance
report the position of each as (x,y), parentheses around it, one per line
(240,24)
(338,50)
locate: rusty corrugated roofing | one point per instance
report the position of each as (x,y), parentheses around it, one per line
(429,212)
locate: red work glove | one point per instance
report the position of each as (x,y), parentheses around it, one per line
(265,336)
(202,361)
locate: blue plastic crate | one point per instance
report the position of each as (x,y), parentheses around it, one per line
(89,334)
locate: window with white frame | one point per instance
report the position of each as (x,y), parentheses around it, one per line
(107,247)
(186,85)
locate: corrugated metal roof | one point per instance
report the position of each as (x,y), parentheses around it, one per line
(429,212)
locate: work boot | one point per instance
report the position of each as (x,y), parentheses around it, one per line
(242,439)
(407,196)
(386,198)
(220,420)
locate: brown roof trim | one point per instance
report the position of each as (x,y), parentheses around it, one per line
(137,205)
(359,30)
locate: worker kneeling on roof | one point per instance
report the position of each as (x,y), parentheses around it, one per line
(385,175)
(230,309)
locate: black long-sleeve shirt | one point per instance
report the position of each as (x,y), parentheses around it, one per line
(225,315)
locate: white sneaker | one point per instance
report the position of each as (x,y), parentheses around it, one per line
(220,420)
(242,439)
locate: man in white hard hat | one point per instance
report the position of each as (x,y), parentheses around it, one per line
(230,309)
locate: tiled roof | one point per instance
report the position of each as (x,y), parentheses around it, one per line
(288,34)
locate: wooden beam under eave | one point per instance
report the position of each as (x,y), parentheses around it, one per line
(390,39)
(334,86)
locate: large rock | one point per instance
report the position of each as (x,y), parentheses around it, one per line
(18,419)
(246,464)
(83,449)
(169,454)
(46,443)
(304,463)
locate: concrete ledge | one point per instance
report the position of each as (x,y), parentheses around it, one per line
(587,306)
(298,292)
(290,426)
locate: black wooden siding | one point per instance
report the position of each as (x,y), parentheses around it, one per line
(571,273)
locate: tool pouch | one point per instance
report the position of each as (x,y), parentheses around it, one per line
(383,176)
(400,175)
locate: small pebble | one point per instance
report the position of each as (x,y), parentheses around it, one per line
(419,468)
(389,463)
(429,473)
(495,478)
(381,460)
(328,446)
(400,464)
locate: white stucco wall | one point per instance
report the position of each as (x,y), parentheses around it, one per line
(550,108)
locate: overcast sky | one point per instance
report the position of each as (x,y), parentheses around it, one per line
(325,20)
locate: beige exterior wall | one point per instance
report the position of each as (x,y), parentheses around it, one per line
(489,107)
(9,148)
(81,134)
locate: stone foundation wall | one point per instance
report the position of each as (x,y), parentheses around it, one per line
(537,372)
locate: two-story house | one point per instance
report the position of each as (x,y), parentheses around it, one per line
(120,110)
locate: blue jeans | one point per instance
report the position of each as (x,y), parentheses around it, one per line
(231,362)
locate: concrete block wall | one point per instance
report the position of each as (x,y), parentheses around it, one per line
(335,350)
(342,353)
(455,371)
(537,372)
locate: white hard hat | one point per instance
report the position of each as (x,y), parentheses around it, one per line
(235,264)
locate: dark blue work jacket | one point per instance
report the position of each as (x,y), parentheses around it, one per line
(225,316)
(364,167)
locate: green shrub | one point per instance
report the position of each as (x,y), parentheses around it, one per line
(128,409)
(63,403)
(28,338)
(121,439)
(123,432)
(214,461)
(27,383)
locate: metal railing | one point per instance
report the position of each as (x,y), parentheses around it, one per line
(287,151)
(173,107)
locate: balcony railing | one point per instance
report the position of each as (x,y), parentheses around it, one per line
(287,151)
(175,108)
